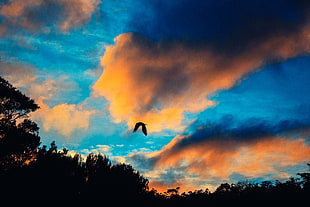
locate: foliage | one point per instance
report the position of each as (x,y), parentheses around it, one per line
(18,134)
(54,173)
(14,104)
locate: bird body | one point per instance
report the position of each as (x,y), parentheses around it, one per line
(143,125)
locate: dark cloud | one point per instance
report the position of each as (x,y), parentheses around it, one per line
(227,26)
(229,129)
(141,162)
(172,175)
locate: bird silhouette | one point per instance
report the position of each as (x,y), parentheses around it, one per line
(138,124)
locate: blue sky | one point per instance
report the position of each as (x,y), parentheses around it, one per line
(223,85)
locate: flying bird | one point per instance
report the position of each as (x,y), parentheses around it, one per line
(138,124)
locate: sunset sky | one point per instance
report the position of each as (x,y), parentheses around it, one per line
(223,85)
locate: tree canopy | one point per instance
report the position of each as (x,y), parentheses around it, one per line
(18,134)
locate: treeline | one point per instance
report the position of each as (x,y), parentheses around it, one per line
(293,192)
(51,175)
(31,174)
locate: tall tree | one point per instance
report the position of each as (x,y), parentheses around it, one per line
(18,134)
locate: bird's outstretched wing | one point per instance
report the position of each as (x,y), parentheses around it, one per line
(144,130)
(137,126)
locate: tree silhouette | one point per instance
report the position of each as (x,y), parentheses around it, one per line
(306,180)
(112,181)
(18,134)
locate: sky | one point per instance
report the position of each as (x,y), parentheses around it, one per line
(222,85)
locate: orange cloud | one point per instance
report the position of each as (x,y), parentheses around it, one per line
(218,159)
(64,118)
(66,14)
(157,82)
(210,163)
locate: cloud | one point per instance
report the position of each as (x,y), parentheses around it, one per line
(230,136)
(19,74)
(215,153)
(226,26)
(157,82)
(39,15)
(230,128)
(221,158)
(102,149)
(266,158)
(64,118)
(30,80)
(23,77)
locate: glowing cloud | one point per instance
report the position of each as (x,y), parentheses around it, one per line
(215,152)
(252,159)
(219,159)
(64,118)
(157,81)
